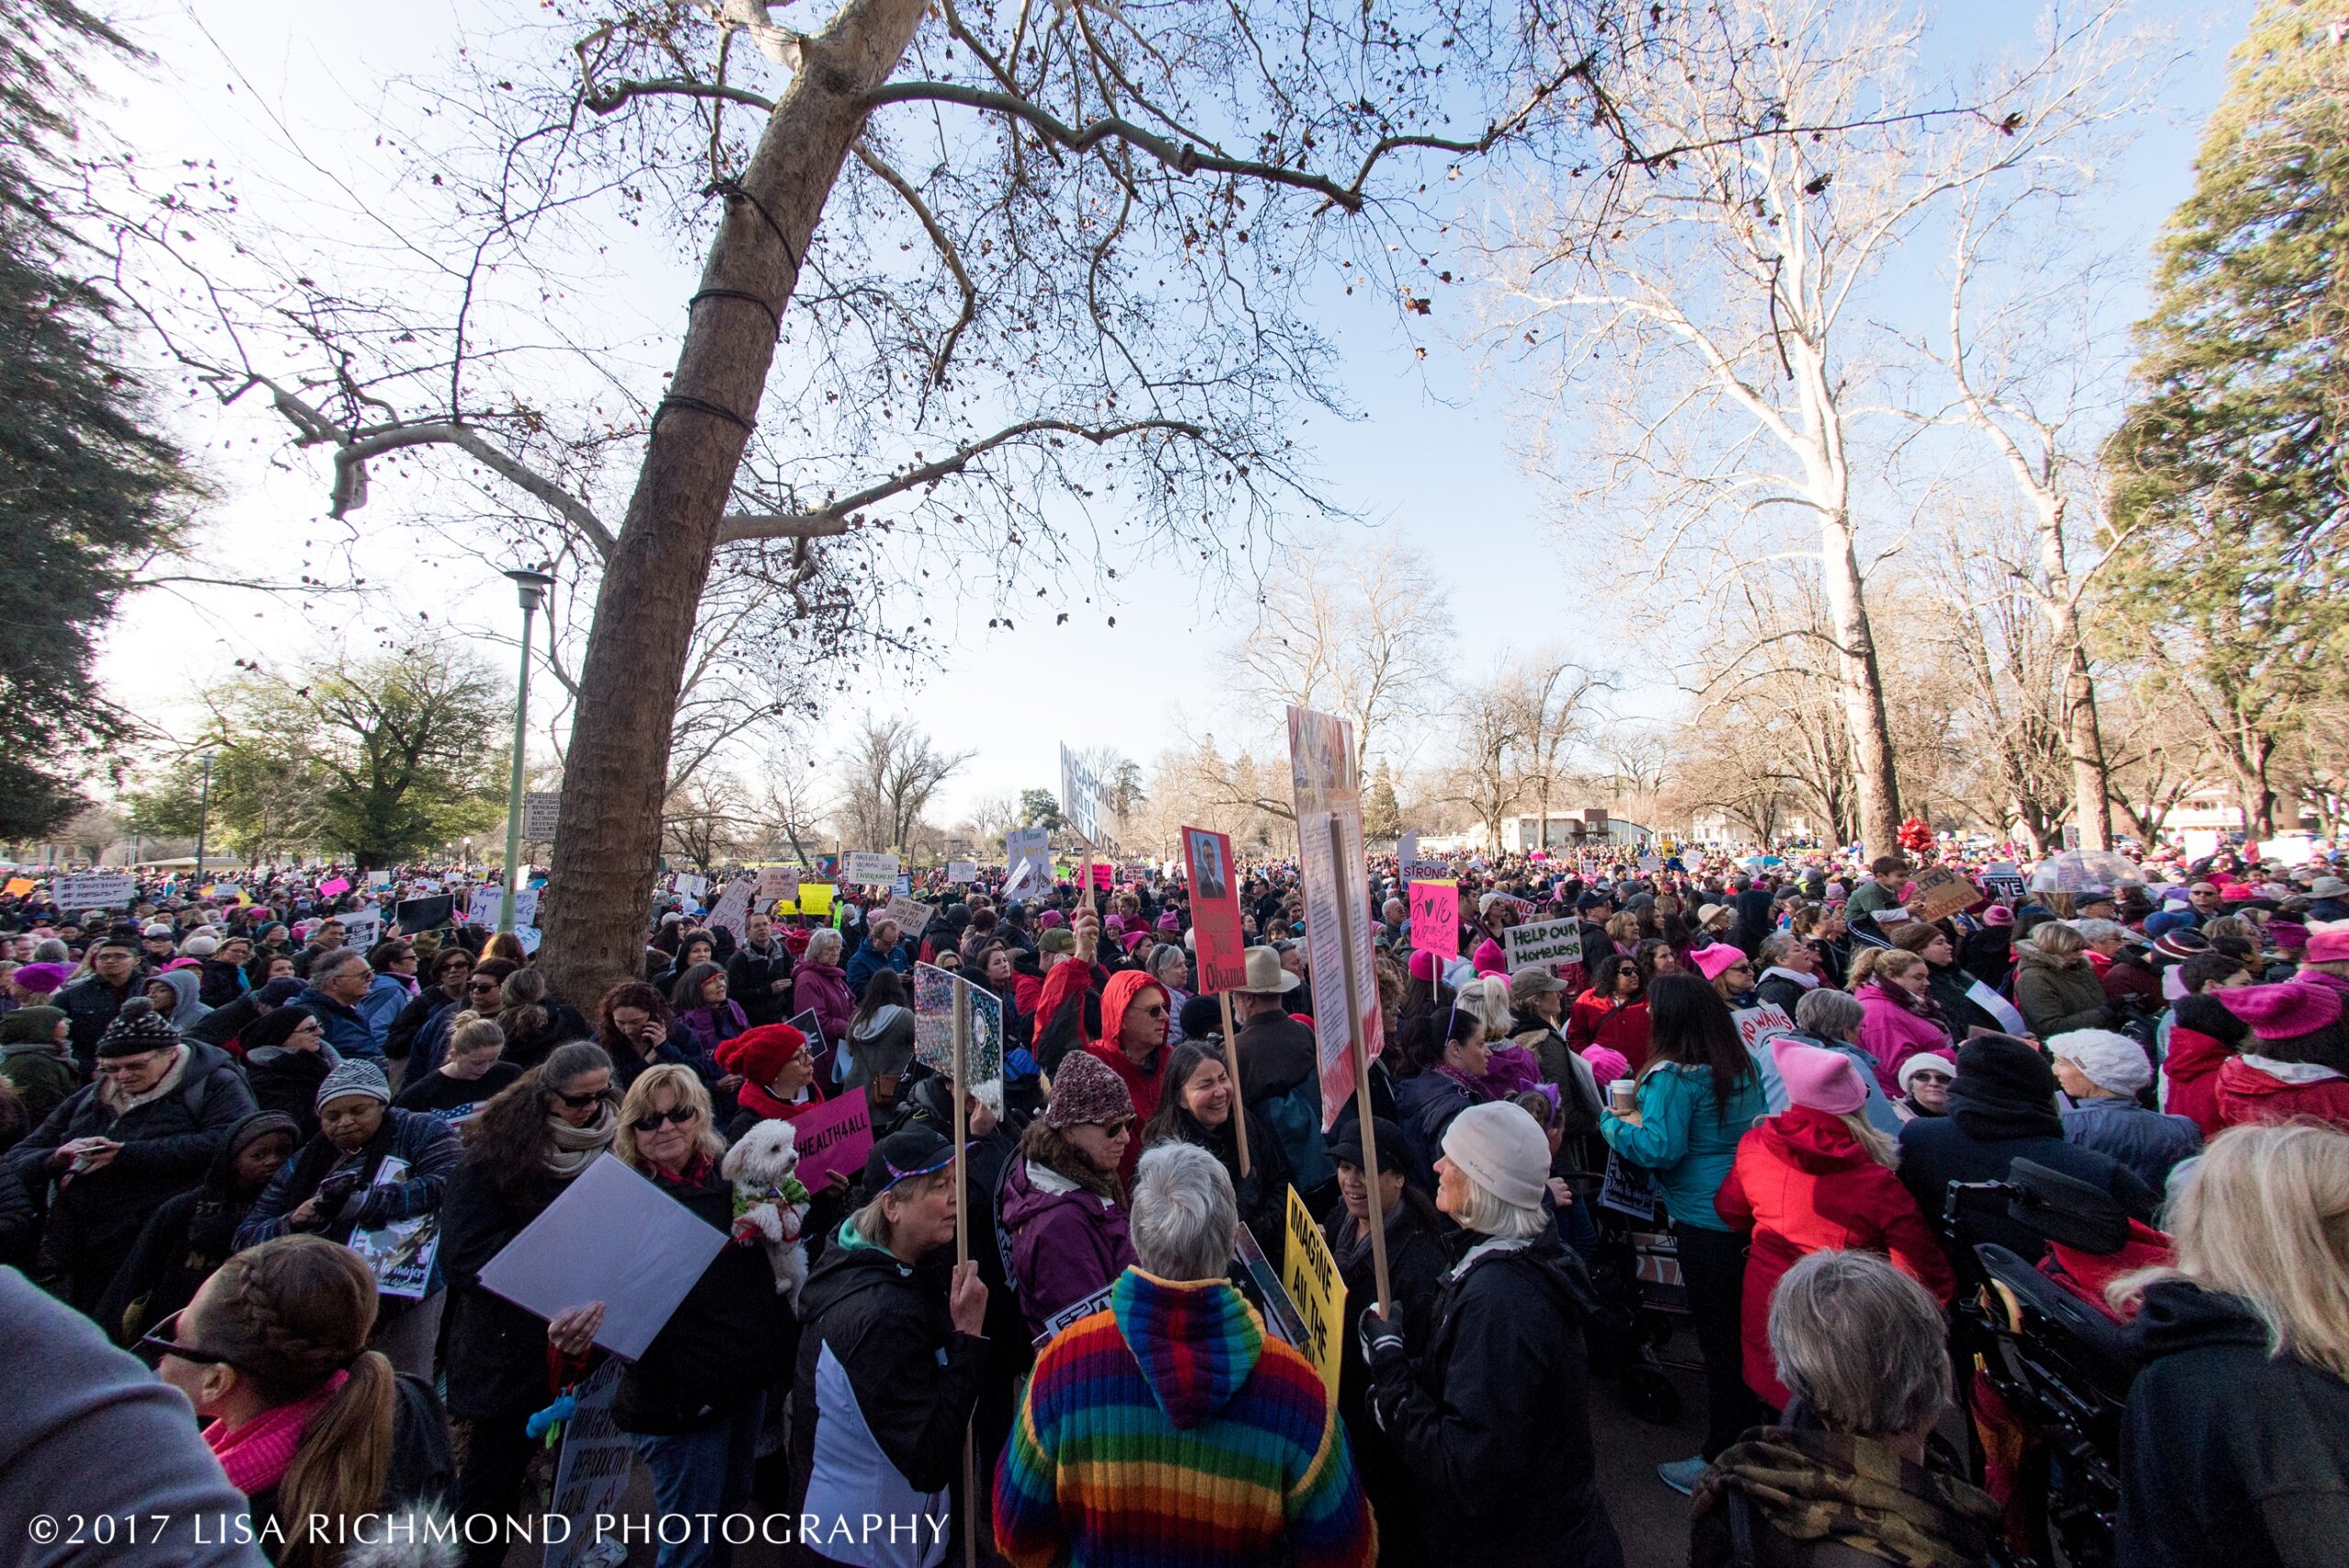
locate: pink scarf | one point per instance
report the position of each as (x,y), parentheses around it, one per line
(256,1454)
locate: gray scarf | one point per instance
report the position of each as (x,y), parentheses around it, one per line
(575,1147)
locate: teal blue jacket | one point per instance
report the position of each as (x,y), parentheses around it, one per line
(1683,1141)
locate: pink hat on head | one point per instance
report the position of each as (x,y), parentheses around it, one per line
(1489,959)
(1423,965)
(2324,946)
(1823,1080)
(1718,960)
(1998,914)
(1606,1063)
(2283,1011)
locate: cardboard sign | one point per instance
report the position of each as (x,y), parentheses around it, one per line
(1938,893)
(1755,1025)
(1326,786)
(1029,853)
(912,918)
(1309,1273)
(778,885)
(834,1136)
(732,912)
(591,1476)
(1081,799)
(93,890)
(539,816)
(960,872)
(1546,942)
(1435,918)
(1221,945)
(362,929)
(612,1237)
(934,990)
(873,869)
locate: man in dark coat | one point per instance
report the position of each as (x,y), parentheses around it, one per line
(759,975)
(90,1003)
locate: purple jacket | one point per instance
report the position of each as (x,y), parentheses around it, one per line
(713,1026)
(823,987)
(1067,1243)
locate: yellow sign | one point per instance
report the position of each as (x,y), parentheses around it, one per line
(815,898)
(1310,1275)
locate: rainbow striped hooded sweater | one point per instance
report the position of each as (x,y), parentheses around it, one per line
(1168,1430)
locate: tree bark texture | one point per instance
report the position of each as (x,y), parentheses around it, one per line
(608,832)
(2091,803)
(1862,680)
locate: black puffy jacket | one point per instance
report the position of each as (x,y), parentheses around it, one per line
(2229,1455)
(1493,1419)
(728,1340)
(496,1350)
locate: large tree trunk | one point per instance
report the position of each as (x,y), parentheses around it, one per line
(2092,805)
(1862,681)
(609,826)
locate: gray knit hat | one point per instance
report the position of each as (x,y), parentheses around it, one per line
(1086,1091)
(136,1029)
(353,1077)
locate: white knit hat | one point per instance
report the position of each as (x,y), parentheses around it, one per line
(1502,1150)
(2111,1060)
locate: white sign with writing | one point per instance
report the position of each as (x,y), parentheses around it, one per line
(960,872)
(537,815)
(362,929)
(870,867)
(1545,942)
(912,918)
(93,890)
(1029,853)
(1755,1025)
(778,883)
(484,908)
(1081,799)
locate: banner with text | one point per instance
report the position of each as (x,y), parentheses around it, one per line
(1435,918)
(1546,942)
(1326,785)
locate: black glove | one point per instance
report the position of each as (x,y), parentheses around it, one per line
(1381,1340)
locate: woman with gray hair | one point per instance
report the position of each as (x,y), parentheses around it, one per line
(1842,1477)
(819,985)
(1830,1020)
(1493,1420)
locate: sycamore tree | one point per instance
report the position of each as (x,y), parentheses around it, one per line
(994,300)
(2229,466)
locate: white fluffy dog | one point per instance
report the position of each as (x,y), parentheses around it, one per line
(770,1201)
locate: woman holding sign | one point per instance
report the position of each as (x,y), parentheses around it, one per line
(1199,1104)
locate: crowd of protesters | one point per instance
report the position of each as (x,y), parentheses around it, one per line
(1772,1073)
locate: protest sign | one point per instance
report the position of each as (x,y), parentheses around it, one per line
(1757,1024)
(1939,892)
(1223,945)
(834,1136)
(1103,876)
(869,867)
(1435,918)
(912,917)
(1081,799)
(904,886)
(960,872)
(1546,942)
(689,887)
(538,815)
(17,886)
(813,898)
(1029,853)
(1997,1006)
(732,911)
(1411,868)
(1316,1289)
(2003,881)
(592,1474)
(1281,1318)
(934,992)
(1628,1190)
(778,885)
(1650,863)
(1326,786)
(334,888)
(362,929)
(1083,1308)
(808,1024)
(379,879)
(92,890)
(401,1253)
(416,916)
(612,1237)
(483,908)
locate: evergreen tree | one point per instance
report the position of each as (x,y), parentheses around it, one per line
(2229,478)
(86,488)
(1382,814)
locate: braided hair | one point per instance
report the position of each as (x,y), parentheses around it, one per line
(288,1314)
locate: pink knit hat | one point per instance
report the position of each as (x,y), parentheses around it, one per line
(1423,965)
(2328,946)
(1718,960)
(1823,1080)
(2284,1011)
(1606,1063)
(1490,959)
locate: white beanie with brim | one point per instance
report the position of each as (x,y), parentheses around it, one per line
(1502,1148)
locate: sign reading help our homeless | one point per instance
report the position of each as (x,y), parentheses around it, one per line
(1309,1272)
(1545,942)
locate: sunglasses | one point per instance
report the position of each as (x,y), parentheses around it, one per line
(1930,1078)
(676,1116)
(165,1342)
(481,984)
(1119,1127)
(1156,1012)
(580,1102)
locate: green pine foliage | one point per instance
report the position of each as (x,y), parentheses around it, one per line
(87,488)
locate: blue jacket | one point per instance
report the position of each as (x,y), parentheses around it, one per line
(2148,1143)
(1683,1140)
(430,1147)
(382,1004)
(869,958)
(345,1029)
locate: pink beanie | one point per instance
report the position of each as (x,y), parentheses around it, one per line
(1718,960)
(1606,1063)
(1423,965)
(1490,959)
(1823,1080)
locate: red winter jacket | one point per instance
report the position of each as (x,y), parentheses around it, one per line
(2191,1069)
(1596,1020)
(1804,1185)
(2251,1089)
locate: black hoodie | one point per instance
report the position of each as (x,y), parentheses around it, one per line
(2229,1455)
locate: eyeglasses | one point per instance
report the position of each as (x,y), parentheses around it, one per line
(165,1342)
(580,1102)
(676,1116)
(123,1066)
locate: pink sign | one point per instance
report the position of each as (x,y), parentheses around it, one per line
(1104,875)
(334,889)
(834,1136)
(1215,911)
(1435,918)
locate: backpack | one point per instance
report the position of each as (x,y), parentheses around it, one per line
(1296,1118)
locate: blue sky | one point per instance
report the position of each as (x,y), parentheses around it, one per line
(1431,458)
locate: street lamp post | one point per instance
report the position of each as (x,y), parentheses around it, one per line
(202,816)
(532,587)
